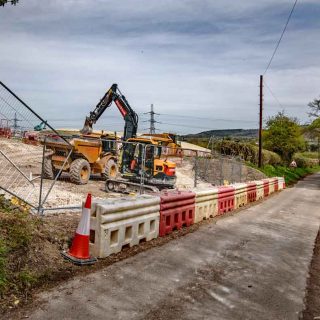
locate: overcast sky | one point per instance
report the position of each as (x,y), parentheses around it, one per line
(197,61)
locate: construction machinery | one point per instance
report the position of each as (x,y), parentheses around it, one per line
(39,127)
(170,140)
(80,157)
(136,164)
(139,163)
(142,167)
(91,153)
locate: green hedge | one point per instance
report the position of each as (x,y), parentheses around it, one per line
(247,151)
(291,175)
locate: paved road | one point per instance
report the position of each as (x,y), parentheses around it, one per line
(249,266)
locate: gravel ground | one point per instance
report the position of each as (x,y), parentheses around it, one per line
(64,193)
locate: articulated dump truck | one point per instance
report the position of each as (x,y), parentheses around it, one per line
(81,157)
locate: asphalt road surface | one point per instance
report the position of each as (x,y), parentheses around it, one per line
(252,265)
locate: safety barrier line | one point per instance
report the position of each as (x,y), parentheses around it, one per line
(120,222)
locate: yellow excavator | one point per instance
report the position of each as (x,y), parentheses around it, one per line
(140,163)
(142,166)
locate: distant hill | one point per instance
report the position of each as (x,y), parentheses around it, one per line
(232,133)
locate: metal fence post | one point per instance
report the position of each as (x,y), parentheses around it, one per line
(221,170)
(40,210)
(143,167)
(196,169)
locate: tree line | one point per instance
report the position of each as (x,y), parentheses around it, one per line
(285,136)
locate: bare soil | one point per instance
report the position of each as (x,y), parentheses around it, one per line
(66,194)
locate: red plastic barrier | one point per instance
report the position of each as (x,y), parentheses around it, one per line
(251,192)
(276,184)
(225,199)
(5,132)
(31,138)
(266,187)
(177,209)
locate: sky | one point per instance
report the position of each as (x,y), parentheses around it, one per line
(197,61)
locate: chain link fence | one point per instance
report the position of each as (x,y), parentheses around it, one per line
(21,154)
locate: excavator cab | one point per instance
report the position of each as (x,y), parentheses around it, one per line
(141,161)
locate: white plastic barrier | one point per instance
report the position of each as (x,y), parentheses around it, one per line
(124,221)
(240,195)
(260,189)
(206,204)
(271,185)
(281,183)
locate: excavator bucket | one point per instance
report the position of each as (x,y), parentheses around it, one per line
(87,127)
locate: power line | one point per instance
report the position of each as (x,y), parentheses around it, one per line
(189,126)
(283,31)
(274,96)
(206,118)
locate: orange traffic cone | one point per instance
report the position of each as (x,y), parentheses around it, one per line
(79,251)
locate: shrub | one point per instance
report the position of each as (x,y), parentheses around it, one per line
(247,151)
(303,162)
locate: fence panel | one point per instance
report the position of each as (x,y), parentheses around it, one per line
(21,152)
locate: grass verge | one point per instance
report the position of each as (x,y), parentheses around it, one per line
(291,175)
(29,252)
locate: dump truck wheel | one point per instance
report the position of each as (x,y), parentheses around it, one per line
(111,169)
(80,171)
(48,172)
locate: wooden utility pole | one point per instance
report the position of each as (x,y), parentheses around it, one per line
(260,122)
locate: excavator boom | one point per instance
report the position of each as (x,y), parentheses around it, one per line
(130,117)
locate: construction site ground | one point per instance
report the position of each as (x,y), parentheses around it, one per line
(64,193)
(252,264)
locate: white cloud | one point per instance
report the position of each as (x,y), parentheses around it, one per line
(188,57)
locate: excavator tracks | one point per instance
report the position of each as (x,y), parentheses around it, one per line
(126,187)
